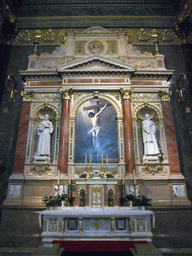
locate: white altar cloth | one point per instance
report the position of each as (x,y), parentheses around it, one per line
(97,212)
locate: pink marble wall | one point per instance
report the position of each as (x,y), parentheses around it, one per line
(170,138)
(22,138)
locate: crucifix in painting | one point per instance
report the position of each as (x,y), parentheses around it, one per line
(95,121)
(96,131)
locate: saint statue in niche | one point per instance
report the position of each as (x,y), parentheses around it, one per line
(149,138)
(44,131)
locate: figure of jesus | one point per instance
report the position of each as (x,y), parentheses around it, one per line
(95,124)
(149,138)
(44,131)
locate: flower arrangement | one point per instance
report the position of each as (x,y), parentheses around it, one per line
(130,197)
(51,201)
(71,200)
(142,201)
(63,197)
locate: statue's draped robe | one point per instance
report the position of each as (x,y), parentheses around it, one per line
(44,130)
(149,138)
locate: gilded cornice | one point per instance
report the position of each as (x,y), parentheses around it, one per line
(138,36)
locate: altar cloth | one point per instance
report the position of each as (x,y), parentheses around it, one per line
(97,212)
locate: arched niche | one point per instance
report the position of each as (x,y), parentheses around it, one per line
(155,116)
(37,115)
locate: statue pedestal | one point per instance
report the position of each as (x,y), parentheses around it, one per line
(38,159)
(150,159)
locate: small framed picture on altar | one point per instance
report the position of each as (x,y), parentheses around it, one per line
(60,189)
(120,224)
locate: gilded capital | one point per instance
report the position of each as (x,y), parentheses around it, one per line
(165,96)
(66,94)
(126,94)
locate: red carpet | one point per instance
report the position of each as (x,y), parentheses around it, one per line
(97,246)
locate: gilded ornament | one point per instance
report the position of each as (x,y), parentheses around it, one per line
(49,36)
(25,37)
(66,94)
(165,96)
(167,35)
(153,169)
(42,36)
(126,94)
(142,35)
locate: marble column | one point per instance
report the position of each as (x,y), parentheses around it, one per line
(64,131)
(128,131)
(172,150)
(21,144)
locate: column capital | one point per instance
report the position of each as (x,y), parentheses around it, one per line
(126,93)
(66,94)
(165,96)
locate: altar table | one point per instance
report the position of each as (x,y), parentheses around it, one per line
(107,223)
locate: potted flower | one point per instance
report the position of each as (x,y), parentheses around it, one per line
(130,198)
(71,200)
(50,201)
(142,201)
(63,198)
(145,201)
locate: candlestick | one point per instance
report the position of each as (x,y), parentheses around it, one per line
(85,160)
(58,177)
(134,178)
(90,161)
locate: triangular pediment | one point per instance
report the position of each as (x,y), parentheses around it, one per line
(96,63)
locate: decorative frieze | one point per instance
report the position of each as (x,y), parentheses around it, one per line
(59,36)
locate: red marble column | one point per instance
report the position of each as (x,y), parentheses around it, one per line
(172,149)
(128,132)
(64,132)
(22,138)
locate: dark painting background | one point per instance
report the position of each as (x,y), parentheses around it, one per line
(107,138)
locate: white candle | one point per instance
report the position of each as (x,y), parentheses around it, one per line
(58,177)
(134,178)
(102,161)
(90,161)
(107,160)
(85,160)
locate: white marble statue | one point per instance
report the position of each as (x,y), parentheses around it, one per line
(149,137)
(44,131)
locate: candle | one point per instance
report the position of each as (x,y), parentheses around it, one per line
(123,179)
(134,178)
(58,177)
(85,160)
(107,160)
(102,161)
(90,161)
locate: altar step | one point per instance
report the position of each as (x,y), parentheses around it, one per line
(97,246)
(147,250)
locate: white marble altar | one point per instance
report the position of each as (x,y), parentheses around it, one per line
(107,223)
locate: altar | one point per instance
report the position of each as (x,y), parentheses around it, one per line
(87,223)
